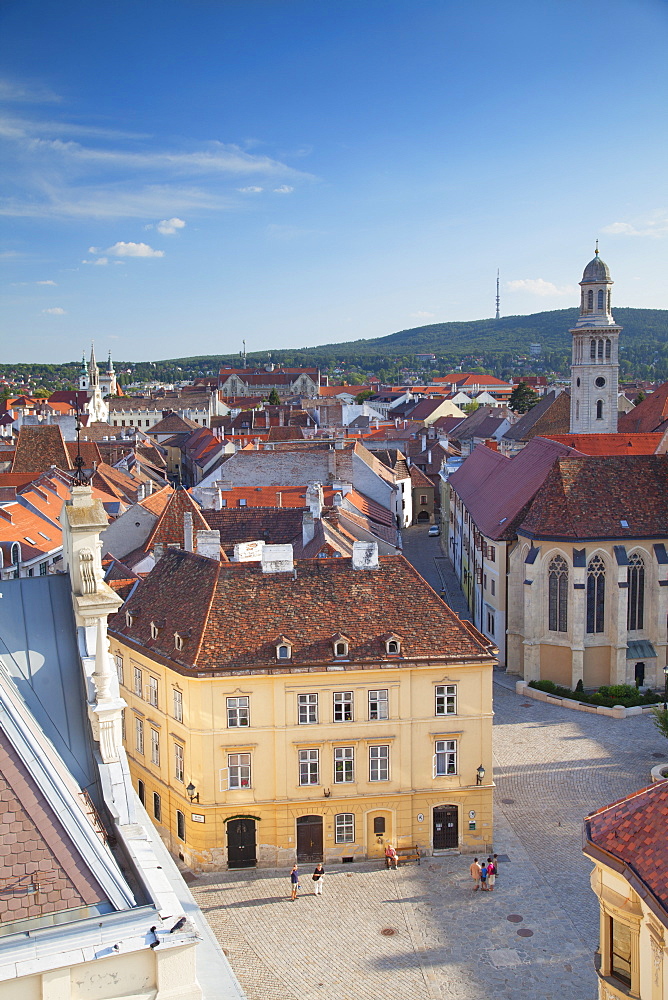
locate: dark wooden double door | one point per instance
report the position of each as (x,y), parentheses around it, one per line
(309,839)
(446,830)
(241,843)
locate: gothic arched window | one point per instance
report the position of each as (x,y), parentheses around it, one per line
(599,409)
(596,595)
(558,595)
(600,349)
(601,299)
(635,576)
(608,348)
(590,300)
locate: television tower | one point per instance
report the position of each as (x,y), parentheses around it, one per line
(498,298)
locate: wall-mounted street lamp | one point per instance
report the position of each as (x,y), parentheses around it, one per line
(327,792)
(480,775)
(192,794)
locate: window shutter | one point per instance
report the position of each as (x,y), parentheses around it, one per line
(434,765)
(224,773)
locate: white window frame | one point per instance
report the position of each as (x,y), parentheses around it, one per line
(177,699)
(343,706)
(376,697)
(155,747)
(119,667)
(139,735)
(238,770)
(307,709)
(490,622)
(152,691)
(179,762)
(137,680)
(445,699)
(376,762)
(344,824)
(309,767)
(238,711)
(445,758)
(344,757)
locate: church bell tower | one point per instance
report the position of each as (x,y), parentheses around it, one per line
(595,357)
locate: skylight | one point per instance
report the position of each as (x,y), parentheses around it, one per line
(624,523)
(32,542)
(44,536)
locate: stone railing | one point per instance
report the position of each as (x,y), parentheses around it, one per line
(616,712)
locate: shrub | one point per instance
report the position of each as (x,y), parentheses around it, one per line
(660,720)
(607,695)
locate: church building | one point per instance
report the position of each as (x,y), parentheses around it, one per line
(97,385)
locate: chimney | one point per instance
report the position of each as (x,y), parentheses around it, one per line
(279,499)
(277,559)
(331,464)
(208,544)
(429,457)
(248,551)
(308,527)
(158,551)
(281,417)
(315,499)
(424,441)
(188,531)
(365,555)
(218,500)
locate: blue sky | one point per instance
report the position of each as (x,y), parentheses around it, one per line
(178,176)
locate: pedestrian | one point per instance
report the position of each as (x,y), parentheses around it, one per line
(318,878)
(475,874)
(391,857)
(483,876)
(495,861)
(491,874)
(294,881)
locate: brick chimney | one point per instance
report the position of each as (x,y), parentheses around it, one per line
(208,544)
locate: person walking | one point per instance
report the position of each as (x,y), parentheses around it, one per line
(483,876)
(491,874)
(391,857)
(475,874)
(495,862)
(294,881)
(318,878)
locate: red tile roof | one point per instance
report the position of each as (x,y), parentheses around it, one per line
(633,831)
(235,612)
(649,415)
(39,448)
(252,524)
(614,444)
(594,497)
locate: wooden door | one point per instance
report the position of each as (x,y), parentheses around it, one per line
(309,838)
(241,850)
(446,832)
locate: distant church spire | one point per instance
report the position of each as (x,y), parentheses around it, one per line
(498,297)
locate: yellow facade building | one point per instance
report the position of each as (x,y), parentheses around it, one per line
(309,710)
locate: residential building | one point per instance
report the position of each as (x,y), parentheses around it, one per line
(627,843)
(261,381)
(312,709)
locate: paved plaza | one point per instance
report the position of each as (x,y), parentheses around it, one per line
(421,933)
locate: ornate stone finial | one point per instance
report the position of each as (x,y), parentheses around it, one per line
(596,250)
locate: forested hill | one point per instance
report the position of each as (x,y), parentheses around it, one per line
(510,333)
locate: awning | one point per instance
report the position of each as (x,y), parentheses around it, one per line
(640,649)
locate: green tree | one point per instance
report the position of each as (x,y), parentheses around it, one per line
(470,407)
(660,720)
(639,398)
(522,398)
(362,396)
(274,398)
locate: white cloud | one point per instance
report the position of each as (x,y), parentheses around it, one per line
(20,93)
(284,189)
(655,228)
(252,189)
(538,286)
(100,262)
(54,311)
(9,254)
(169,226)
(45,283)
(422,315)
(122,249)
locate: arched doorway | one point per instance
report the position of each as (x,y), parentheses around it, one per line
(241,843)
(446,828)
(309,838)
(423,517)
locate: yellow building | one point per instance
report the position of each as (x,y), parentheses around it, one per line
(627,843)
(309,710)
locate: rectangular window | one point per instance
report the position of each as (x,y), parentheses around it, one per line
(178,705)
(446,699)
(238,712)
(137,679)
(119,667)
(345,828)
(309,767)
(139,735)
(238,769)
(180,825)
(445,758)
(484,581)
(343,706)
(491,553)
(379,763)
(123,735)
(43,567)
(490,623)
(157,806)
(155,747)
(620,951)
(379,707)
(179,768)
(493,586)
(344,764)
(141,791)
(308,708)
(423,500)
(152,691)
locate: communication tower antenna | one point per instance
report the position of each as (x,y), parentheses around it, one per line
(498,297)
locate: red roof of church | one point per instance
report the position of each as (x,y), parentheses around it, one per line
(614,444)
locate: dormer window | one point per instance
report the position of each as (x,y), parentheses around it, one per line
(283,648)
(340,645)
(129,618)
(392,644)
(156,628)
(178,641)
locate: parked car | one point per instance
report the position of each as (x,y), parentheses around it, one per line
(434,530)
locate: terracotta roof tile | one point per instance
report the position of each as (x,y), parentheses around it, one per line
(39,448)
(613,444)
(251,524)
(649,415)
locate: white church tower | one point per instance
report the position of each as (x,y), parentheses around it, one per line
(89,379)
(595,358)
